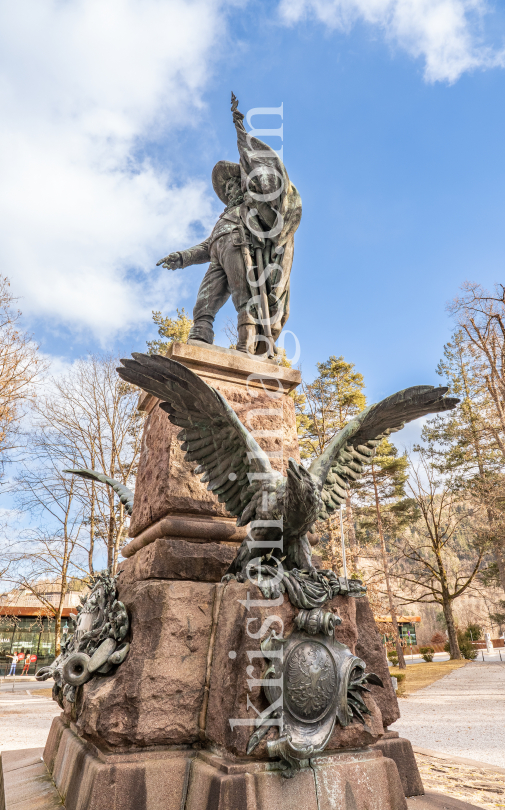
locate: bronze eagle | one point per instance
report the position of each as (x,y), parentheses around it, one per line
(280,509)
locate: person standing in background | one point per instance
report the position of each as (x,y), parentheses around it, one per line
(14,661)
(26,666)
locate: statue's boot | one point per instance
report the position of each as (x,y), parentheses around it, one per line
(246,333)
(202,330)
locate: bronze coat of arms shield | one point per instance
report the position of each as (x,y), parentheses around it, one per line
(317,681)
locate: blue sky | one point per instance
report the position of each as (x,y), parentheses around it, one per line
(115,113)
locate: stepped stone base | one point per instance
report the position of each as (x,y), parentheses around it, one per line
(25,783)
(401,752)
(88,778)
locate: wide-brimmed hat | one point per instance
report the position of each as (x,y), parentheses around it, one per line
(221,173)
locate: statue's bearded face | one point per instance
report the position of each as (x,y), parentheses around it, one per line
(232,188)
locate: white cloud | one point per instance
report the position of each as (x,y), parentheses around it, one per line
(447,34)
(83,85)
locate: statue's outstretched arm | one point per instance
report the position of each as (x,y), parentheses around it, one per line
(199,254)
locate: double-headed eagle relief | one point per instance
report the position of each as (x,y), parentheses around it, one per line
(250,249)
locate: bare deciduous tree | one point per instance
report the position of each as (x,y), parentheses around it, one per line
(94,415)
(481,317)
(20,366)
(87,418)
(53,551)
(440,563)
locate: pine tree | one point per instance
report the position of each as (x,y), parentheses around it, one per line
(384,511)
(171,329)
(322,409)
(335,396)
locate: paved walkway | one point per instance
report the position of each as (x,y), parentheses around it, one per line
(25,719)
(462,714)
(495,657)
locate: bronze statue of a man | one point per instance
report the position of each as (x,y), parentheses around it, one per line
(250,249)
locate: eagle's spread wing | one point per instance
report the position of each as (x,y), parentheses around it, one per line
(355,445)
(211,434)
(125,495)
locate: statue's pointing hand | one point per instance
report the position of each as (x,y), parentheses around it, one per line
(172,262)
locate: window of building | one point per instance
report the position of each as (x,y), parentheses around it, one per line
(29,634)
(408,633)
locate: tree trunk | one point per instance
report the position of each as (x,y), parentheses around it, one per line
(454,650)
(92,529)
(57,629)
(110,542)
(500,562)
(394,619)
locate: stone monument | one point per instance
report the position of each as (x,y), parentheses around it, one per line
(223,669)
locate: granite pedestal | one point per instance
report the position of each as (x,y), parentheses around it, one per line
(170,501)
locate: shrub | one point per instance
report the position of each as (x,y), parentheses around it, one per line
(438,638)
(393,657)
(466,647)
(473,632)
(427,653)
(468,651)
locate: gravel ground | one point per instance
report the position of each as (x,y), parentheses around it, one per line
(462,714)
(468,783)
(25,719)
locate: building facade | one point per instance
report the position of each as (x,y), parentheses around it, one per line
(27,626)
(406,627)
